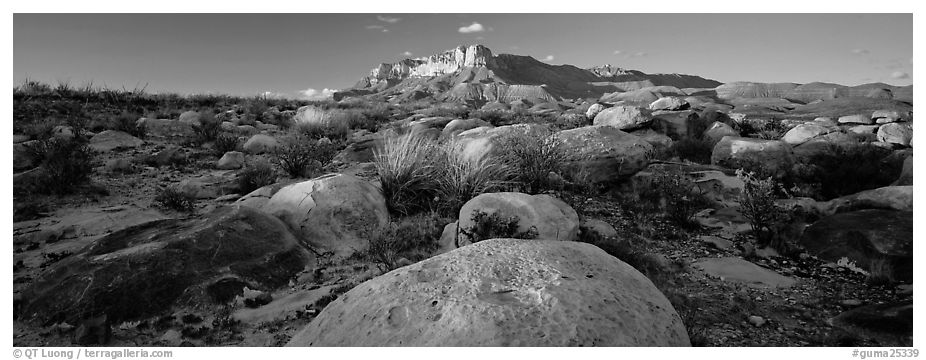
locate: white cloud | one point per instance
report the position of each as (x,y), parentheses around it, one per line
(636,54)
(372,27)
(548,58)
(385,30)
(312,94)
(900,75)
(617,52)
(475,27)
(391,20)
(273,95)
(860,51)
(407,53)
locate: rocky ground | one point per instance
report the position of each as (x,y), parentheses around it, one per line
(726,292)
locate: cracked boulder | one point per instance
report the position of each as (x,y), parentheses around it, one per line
(336,212)
(146,269)
(503,292)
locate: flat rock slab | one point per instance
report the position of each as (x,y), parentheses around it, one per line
(742,271)
(281,308)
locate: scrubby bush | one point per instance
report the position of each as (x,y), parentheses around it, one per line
(127,122)
(226,142)
(334,130)
(461,177)
(413,238)
(64,165)
(208,127)
(845,169)
(533,156)
(172,198)
(256,176)
(299,156)
(758,206)
(694,150)
(493,226)
(449,110)
(677,196)
(407,166)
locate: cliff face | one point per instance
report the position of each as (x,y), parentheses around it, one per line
(474,74)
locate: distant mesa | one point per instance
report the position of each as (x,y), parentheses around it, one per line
(474,75)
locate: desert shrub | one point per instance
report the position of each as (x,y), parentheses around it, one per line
(64,164)
(225,142)
(256,176)
(461,177)
(172,198)
(845,169)
(494,226)
(40,129)
(208,128)
(127,122)
(533,157)
(353,118)
(406,166)
(254,108)
(758,206)
(694,150)
(449,110)
(299,156)
(413,238)
(571,121)
(375,114)
(675,194)
(334,130)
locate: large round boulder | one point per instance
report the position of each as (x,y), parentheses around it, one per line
(669,103)
(605,154)
(679,124)
(593,111)
(774,157)
(875,240)
(260,143)
(334,212)
(457,126)
(804,132)
(543,216)
(110,140)
(487,141)
(503,292)
(145,269)
(624,117)
(896,133)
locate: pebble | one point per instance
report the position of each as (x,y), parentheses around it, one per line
(756,321)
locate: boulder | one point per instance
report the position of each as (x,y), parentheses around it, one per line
(258,198)
(503,292)
(906,173)
(886,116)
(146,269)
(774,157)
(624,117)
(335,212)
(744,272)
(679,124)
(896,133)
(717,131)
(804,132)
(62,132)
(659,141)
(888,198)
(260,143)
(487,141)
(110,140)
(599,228)
(543,216)
(864,129)
(230,161)
(457,126)
(605,154)
(21,138)
(164,128)
(889,324)
(169,156)
(23,158)
(856,119)
(360,147)
(593,111)
(875,240)
(190,117)
(209,186)
(669,103)
(118,166)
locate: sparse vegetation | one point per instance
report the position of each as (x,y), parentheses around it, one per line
(256,176)
(758,206)
(676,195)
(461,177)
(533,157)
(208,127)
(172,198)
(225,142)
(299,156)
(65,164)
(413,238)
(493,226)
(406,166)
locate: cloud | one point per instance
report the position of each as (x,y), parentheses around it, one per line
(312,94)
(385,30)
(372,27)
(407,53)
(636,54)
(391,20)
(548,58)
(273,95)
(860,51)
(617,52)
(900,75)
(475,27)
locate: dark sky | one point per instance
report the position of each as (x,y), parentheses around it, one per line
(245,54)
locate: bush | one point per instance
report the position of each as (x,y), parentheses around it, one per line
(226,142)
(758,206)
(174,199)
(208,128)
(299,156)
(676,195)
(406,166)
(255,177)
(533,157)
(461,178)
(127,122)
(64,165)
(331,130)
(413,238)
(493,226)
(844,170)
(694,150)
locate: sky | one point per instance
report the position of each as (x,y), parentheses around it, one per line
(309,55)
